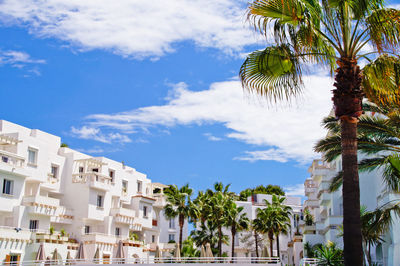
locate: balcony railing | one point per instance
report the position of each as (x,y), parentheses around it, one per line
(94,180)
(11,159)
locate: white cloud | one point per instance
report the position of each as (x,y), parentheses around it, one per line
(136,28)
(86,132)
(18,59)
(289,132)
(266,155)
(211,137)
(396,6)
(296,190)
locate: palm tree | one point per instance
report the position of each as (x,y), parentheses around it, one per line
(282,214)
(179,205)
(218,214)
(236,220)
(329,255)
(331,34)
(257,226)
(206,233)
(378,137)
(268,226)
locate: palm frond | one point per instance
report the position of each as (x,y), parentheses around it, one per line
(336,182)
(274,73)
(384,29)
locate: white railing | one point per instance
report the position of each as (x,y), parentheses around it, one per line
(11,159)
(147,260)
(309,262)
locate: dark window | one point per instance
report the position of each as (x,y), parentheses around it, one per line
(8,187)
(144,211)
(87,229)
(99,201)
(33,225)
(117,231)
(153,239)
(81,169)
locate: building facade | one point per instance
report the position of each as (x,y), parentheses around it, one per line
(327,209)
(60,197)
(290,245)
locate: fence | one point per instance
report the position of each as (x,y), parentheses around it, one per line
(267,261)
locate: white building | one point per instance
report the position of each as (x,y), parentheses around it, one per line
(60,197)
(327,209)
(291,246)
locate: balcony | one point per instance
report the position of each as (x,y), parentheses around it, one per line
(56,237)
(160,200)
(324,198)
(41,205)
(123,215)
(95,180)
(9,233)
(93,238)
(62,216)
(309,229)
(10,162)
(311,203)
(333,221)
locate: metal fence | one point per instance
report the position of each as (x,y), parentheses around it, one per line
(224,260)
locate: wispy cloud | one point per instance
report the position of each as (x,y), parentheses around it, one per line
(295,190)
(18,58)
(135,28)
(287,132)
(86,132)
(211,137)
(266,155)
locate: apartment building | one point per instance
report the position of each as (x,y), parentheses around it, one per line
(291,246)
(327,209)
(61,197)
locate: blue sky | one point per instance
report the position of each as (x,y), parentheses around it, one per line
(154,84)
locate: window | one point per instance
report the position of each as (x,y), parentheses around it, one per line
(99,201)
(96,170)
(117,231)
(153,239)
(171,237)
(33,225)
(87,229)
(145,211)
(8,186)
(171,223)
(81,169)
(32,156)
(124,186)
(111,173)
(4,159)
(139,186)
(54,171)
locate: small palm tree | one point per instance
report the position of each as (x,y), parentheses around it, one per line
(268,226)
(329,255)
(218,215)
(330,34)
(236,220)
(179,205)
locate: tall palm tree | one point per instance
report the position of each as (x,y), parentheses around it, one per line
(268,217)
(206,233)
(218,215)
(236,220)
(331,34)
(257,226)
(179,205)
(378,137)
(282,219)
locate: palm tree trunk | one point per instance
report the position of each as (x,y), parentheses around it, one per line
(233,231)
(271,247)
(347,98)
(181,224)
(277,245)
(256,241)
(219,241)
